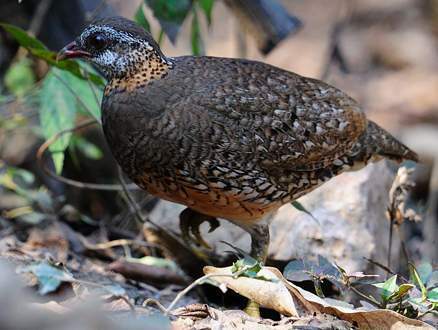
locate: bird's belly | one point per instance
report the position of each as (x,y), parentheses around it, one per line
(232,205)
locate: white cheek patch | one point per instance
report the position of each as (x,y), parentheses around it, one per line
(110,62)
(106,58)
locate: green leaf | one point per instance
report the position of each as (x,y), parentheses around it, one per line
(388,288)
(141,19)
(34,218)
(157,262)
(432,295)
(416,279)
(20,78)
(299,270)
(197,44)
(170,10)
(22,37)
(67,65)
(300,207)
(171,14)
(37,49)
(207,8)
(90,100)
(49,277)
(424,271)
(305,270)
(433,279)
(404,288)
(88,149)
(21,174)
(57,113)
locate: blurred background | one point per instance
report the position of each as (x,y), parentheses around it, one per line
(382,53)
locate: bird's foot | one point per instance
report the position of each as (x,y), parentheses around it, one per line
(190,222)
(252,309)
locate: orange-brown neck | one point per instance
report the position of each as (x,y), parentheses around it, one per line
(146,68)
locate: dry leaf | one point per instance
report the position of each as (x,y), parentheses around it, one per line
(272,295)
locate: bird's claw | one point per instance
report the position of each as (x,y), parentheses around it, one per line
(190,222)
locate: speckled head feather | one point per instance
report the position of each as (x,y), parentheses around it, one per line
(123,25)
(119,47)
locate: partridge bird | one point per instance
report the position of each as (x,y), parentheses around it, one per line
(228,138)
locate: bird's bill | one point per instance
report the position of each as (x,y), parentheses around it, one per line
(71,51)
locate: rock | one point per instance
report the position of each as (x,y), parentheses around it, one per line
(422,137)
(350,210)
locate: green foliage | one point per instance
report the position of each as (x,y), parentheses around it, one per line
(15,121)
(157,262)
(61,96)
(197,44)
(248,267)
(388,289)
(420,280)
(207,8)
(20,78)
(412,299)
(174,11)
(57,113)
(171,15)
(88,149)
(432,295)
(141,19)
(37,48)
(49,277)
(315,271)
(300,207)
(23,38)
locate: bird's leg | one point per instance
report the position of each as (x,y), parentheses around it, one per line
(259,250)
(189,223)
(259,241)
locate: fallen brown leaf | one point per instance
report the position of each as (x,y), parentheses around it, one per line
(270,294)
(283,296)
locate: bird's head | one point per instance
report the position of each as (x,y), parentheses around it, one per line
(116,45)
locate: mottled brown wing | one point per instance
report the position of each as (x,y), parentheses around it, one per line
(290,121)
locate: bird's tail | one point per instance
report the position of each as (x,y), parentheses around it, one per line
(376,143)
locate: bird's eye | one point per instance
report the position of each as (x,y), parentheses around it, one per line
(97,41)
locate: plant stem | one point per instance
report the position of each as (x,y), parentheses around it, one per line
(367,298)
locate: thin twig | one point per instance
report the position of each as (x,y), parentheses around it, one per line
(74,183)
(38,18)
(138,215)
(403,244)
(141,219)
(92,87)
(148,301)
(378,264)
(119,242)
(333,51)
(93,90)
(367,298)
(200,281)
(391,227)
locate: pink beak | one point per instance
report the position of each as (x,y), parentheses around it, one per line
(71,51)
